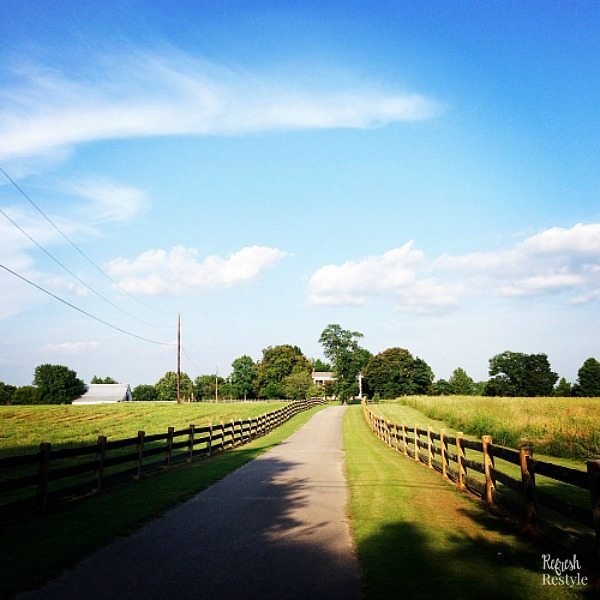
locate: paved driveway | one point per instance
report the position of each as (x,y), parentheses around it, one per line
(275,528)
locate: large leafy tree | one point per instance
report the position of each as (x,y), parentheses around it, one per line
(297,386)
(6,393)
(166,386)
(57,384)
(395,372)
(205,386)
(244,375)
(460,383)
(588,379)
(519,374)
(341,347)
(278,362)
(146,392)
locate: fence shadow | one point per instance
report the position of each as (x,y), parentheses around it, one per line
(244,537)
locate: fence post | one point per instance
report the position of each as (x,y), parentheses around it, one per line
(528,488)
(43,475)
(169,452)
(404,444)
(486,440)
(429,451)
(210,428)
(416,443)
(191,442)
(233,444)
(444,452)
(460,473)
(593,469)
(140,454)
(100,456)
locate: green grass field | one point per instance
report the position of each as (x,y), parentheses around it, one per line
(34,550)
(25,427)
(565,427)
(417,537)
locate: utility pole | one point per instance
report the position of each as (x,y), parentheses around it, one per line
(178,358)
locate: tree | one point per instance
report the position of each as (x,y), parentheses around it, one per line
(460,383)
(394,372)
(563,389)
(588,379)
(244,375)
(6,393)
(27,394)
(57,384)
(341,347)
(96,379)
(166,386)
(277,363)
(522,374)
(321,366)
(205,386)
(442,388)
(297,386)
(145,393)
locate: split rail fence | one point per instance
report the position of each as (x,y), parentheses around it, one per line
(448,455)
(34,482)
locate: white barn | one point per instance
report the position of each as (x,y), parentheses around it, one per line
(105,393)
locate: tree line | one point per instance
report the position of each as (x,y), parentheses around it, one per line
(285,372)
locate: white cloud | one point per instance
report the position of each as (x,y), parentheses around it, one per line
(71,348)
(158,272)
(170,93)
(554,261)
(394,273)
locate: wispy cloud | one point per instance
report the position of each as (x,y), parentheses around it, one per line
(71,348)
(108,201)
(171,93)
(157,272)
(554,261)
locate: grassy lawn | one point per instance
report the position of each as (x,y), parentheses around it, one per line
(417,537)
(33,551)
(402,410)
(25,427)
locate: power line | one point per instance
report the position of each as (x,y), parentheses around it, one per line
(84,312)
(62,265)
(74,245)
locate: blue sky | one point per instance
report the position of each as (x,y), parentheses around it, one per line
(422,172)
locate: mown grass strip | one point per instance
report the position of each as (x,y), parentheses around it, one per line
(35,550)
(417,537)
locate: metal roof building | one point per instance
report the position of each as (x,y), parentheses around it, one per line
(105,393)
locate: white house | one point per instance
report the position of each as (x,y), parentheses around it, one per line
(105,393)
(321,377)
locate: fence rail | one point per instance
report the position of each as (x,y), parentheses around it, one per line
(456,467)
(35,481)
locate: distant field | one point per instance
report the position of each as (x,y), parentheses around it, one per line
(25,427)
(565,427)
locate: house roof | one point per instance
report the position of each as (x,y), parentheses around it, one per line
(322,375)
(98,393)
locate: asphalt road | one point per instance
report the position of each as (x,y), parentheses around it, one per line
(274,529)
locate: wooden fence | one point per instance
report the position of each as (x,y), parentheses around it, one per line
(448,455)
(36,481)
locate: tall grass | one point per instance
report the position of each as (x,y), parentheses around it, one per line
(567,427)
